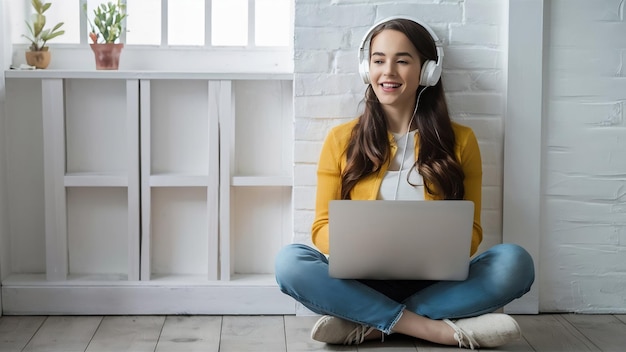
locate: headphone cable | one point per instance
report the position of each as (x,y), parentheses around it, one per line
(406,143)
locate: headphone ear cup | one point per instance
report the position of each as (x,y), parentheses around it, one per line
(430,73)
(364,71)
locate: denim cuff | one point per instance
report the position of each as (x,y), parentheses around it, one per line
(388,330)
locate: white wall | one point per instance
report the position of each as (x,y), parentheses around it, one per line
(328,89)
(583,246)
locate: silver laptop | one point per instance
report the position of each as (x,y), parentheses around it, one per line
(400,240)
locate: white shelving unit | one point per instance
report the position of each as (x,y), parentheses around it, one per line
(164,193)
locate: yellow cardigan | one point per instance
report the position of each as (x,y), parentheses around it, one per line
(333,161)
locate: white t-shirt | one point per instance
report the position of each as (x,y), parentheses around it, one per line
(391,183)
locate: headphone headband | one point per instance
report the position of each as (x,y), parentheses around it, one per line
(431,70)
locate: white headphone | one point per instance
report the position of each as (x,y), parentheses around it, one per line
(431,70)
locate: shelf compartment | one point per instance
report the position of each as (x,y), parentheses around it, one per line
(96,126)
(97,232)
(263,128)
(261,224)
(179,122)
(179,233)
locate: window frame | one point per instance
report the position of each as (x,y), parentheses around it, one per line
(248,58)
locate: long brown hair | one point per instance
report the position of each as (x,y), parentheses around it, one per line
(369,148)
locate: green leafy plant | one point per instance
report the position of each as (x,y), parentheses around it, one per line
(106,25)
(39,36)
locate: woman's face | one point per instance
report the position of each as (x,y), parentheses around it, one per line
(395,69)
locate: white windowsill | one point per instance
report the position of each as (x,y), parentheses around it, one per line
(124,74)
(80,58)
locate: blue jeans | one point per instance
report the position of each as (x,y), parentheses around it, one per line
(496,277)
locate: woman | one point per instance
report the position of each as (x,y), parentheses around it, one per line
(371,158)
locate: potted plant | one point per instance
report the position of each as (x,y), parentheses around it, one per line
(39,56)
(106,26)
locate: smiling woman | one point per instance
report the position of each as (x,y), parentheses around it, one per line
(404,130)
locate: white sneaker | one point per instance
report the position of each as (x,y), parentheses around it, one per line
(335,330)
(488,330)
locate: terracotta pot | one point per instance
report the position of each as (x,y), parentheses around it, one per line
(39,59)
(107,55)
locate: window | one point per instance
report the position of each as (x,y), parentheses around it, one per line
(146,29)
(272,22)
(229,22)
(173,35)
(171,23)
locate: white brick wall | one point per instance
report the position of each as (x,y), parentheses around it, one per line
(328,89)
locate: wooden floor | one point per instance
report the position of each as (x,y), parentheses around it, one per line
(550,333)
